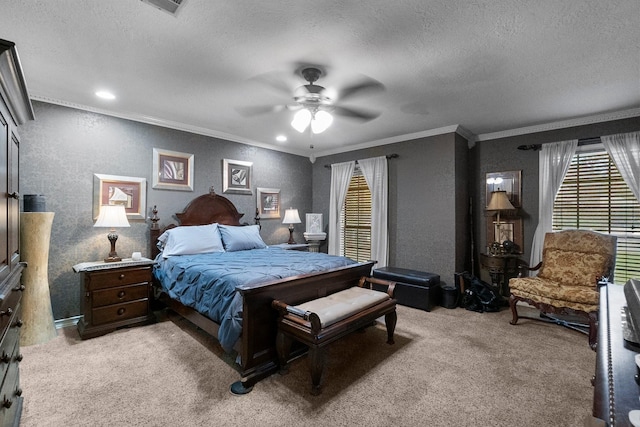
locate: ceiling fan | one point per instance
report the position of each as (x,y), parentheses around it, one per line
(316,105)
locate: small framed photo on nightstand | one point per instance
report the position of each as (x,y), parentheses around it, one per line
(314,223)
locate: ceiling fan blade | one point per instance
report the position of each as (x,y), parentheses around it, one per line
(274,81)
(367,86)
(356,113)
(257,110)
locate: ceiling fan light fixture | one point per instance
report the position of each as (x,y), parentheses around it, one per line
(301,120)
(321,122)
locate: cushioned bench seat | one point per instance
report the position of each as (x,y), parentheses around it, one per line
(322,321)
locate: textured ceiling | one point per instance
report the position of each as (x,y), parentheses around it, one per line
(489,66)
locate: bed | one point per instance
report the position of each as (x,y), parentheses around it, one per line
(245,293)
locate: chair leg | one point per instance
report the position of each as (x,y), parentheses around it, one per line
(514,309)
(390,321)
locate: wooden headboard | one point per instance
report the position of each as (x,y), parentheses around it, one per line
(202,210)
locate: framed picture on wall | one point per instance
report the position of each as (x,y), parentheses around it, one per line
(268,202)
(127,190)
(236,176)
(511,228)
(172,170)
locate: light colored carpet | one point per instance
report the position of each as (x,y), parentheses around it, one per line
(447,368)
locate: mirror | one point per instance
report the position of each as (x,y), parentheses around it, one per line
(507,181)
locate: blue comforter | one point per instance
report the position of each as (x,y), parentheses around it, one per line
(210,282)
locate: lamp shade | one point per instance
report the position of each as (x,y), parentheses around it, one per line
(291,216)
(113,216)
(500,202)
(301,120)
(321,122)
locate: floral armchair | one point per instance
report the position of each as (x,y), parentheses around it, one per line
(573,263)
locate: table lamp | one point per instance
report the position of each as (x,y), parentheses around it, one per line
(291,217)
(499,202)
(112,216)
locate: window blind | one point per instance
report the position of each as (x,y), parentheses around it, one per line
(356,220)
(594,196)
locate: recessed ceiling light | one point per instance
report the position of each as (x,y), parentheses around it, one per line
(105,95)
(281,138)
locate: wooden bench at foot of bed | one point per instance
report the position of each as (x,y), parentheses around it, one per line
(322,321)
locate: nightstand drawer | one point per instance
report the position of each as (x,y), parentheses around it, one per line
(121,294)
(119,312)
(123,276)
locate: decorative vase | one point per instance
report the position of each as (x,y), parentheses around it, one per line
(37,316)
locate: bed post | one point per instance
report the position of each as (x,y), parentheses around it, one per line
(154,233)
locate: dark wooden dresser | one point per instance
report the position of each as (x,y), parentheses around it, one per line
(616,391)
(15,110)
(114,295)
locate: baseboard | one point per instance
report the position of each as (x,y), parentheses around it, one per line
(68,322)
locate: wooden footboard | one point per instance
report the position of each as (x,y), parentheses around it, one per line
(257,345)
(259,324)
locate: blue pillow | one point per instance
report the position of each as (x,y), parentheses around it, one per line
(191,240)
(240,238)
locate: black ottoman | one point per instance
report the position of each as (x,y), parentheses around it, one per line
(416,289)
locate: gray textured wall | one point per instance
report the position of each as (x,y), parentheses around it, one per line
(503,155)
(427,186)
(428,227)
(64,147)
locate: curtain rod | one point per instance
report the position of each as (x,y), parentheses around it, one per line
(581,142)
(388,156)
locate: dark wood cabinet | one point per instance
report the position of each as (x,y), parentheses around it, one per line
(15,110)
(113,297)
(615,389)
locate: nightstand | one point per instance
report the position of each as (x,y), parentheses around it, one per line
(293,246)
(114,295)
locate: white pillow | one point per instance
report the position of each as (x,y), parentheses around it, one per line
(190,240)
(240,238)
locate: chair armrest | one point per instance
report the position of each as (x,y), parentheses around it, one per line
(301,317)
(367,282)
(523,267)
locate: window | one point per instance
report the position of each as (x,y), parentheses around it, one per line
(594,196)
(355,220)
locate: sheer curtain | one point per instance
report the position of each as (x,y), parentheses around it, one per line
(340,176)
(376,175)
(554,159)
(624,149)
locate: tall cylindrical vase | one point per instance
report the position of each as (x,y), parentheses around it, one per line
(37,315)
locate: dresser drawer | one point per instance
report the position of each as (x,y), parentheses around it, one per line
(9,344)
(10,392)
(120,277)
(119,312)
(8,307)
(121,294)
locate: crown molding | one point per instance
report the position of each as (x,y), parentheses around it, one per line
(393,140)
(167,124)
(462,131)
(581,121)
